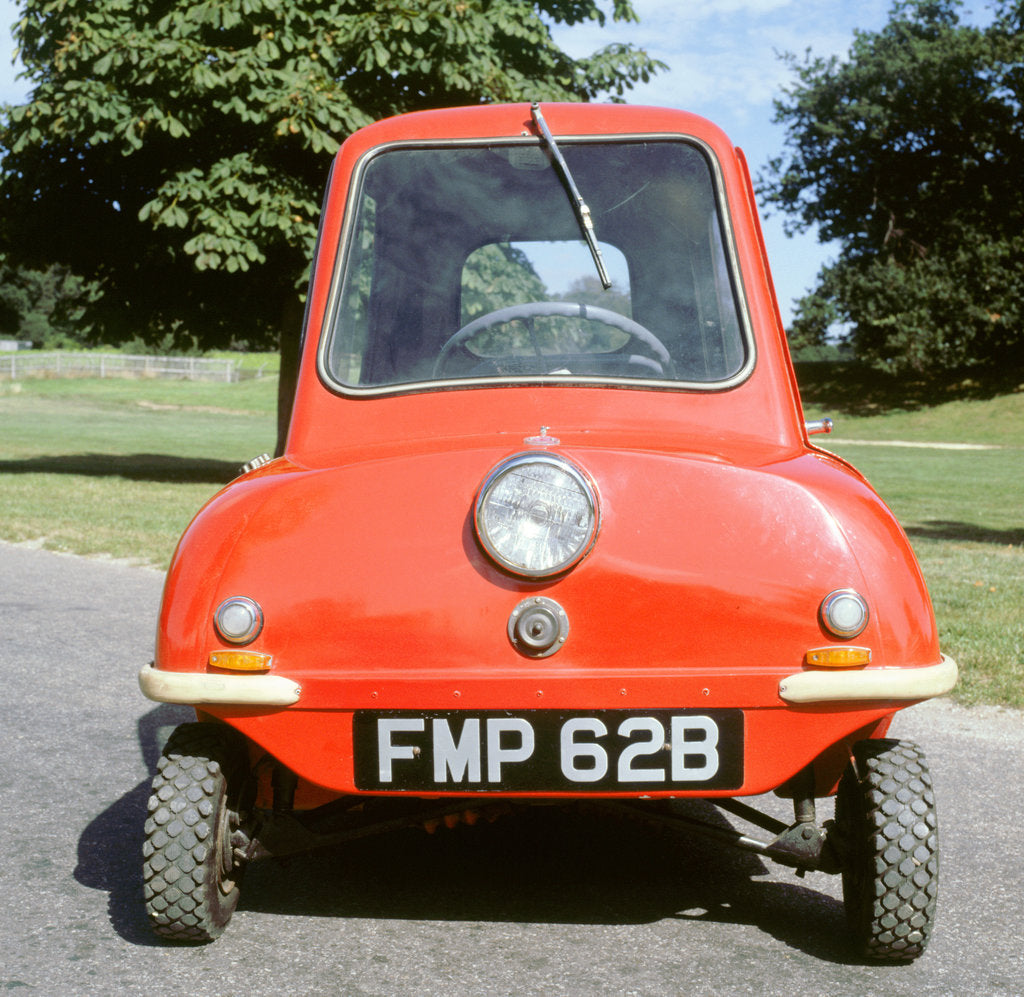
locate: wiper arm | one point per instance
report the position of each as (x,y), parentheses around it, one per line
(579,206)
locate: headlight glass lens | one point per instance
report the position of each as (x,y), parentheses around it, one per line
(238,620)
(537,515)
(844,613)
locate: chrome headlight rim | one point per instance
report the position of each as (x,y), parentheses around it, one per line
(238,620)
(580,479)
(835,614)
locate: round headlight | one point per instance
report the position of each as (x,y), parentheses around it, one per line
(238,620)
(844,613)
(536,515)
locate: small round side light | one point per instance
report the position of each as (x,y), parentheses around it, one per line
(844,613)
(238,620)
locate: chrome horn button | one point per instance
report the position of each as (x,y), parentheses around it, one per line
(538,627)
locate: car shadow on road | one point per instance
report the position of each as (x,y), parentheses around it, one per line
(110,847)
(550,865)
(536,865)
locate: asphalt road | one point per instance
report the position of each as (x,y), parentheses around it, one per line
(556,903)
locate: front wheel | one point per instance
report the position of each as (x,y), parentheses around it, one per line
(885,812)
(190,874)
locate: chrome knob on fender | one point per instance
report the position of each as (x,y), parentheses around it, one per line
(538,627)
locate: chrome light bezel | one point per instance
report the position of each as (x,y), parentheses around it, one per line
(234,632)
(484,525)
(839,625)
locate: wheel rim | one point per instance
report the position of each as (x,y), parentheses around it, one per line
(226,821)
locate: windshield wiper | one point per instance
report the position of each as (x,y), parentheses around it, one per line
(579,206)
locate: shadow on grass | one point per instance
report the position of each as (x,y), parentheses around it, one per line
(133,467)
(851,388)
(944,529)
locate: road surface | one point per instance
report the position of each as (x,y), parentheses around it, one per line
(557,903)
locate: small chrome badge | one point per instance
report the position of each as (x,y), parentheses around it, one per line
(542,439)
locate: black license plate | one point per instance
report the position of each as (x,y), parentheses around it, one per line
(548,750)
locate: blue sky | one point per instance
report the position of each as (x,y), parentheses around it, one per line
(724,64)
(724,59)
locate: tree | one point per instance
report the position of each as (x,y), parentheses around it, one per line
(498,274)
(174,152)
(908,155)
(42,307)
(589,291)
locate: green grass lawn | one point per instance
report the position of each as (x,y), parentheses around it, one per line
(963,513)
(963,510)
(119,467)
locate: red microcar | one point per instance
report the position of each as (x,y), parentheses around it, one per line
(548,526)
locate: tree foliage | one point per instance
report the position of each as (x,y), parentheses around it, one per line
(174,152)
(908,154)
(495,276)
(44,307)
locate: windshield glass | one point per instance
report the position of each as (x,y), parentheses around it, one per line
(468,264)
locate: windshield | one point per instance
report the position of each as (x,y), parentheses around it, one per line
(468,264)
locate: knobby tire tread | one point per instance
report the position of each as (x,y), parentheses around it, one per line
(890,885)
(187,897)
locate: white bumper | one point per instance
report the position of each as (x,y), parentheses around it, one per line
(196,688)
(823,686)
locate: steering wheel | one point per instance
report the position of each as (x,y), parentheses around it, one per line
(529,310)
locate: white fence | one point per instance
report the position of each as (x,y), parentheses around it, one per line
(62,364)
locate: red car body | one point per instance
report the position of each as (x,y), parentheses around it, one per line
(690,655)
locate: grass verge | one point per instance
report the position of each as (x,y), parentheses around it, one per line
(962,512)
(119,467)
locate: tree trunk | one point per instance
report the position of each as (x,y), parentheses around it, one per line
(291,343)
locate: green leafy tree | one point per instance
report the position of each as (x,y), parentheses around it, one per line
(908,154)
(495,276)
(44,307)
(589,291)
(12,302)
(174,152)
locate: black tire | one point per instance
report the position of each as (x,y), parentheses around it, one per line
(885,811)
(190,875)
